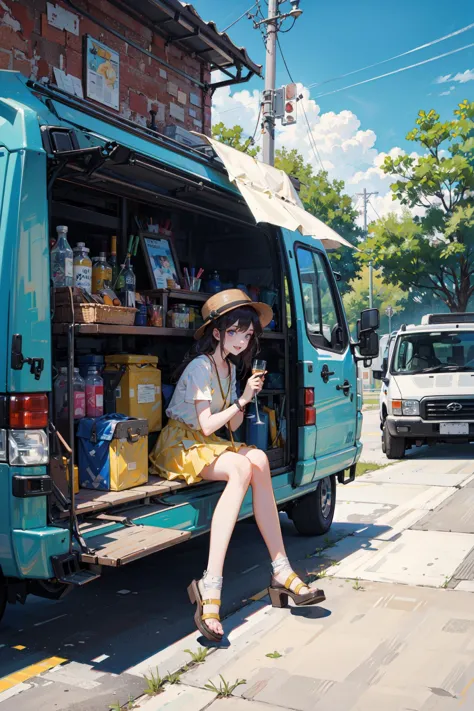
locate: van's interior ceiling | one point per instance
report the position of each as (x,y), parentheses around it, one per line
(135,176)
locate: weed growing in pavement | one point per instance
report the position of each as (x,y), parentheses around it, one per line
(333,563)
(124,707)
(357,585)
(225,688)
(446,581)
(274,655)
(199,656)
(173,678)
(155,684)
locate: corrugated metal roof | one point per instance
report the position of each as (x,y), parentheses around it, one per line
(180,23)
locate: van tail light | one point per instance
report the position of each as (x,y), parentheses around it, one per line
(28,412)
(309,409)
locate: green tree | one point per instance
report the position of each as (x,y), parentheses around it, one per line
(234,137)
(384,295)
(433,253)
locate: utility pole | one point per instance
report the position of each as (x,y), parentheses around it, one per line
(365,200)
(272,24)
(270,79)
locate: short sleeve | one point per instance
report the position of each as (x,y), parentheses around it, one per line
(198,382)
(233,384)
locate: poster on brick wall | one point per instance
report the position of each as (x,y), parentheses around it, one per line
(102,73)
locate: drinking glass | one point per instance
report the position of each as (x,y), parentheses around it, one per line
(258,368)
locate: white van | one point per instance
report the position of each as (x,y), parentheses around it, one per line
(427,393)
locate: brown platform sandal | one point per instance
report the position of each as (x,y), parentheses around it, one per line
(279,594)
(200,617)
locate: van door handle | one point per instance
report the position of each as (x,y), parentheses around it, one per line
(326,373)
(345,387)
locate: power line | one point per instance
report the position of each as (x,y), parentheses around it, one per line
(251,141)
(373,208)
(397,71)
(396,56)
(244,14)
(312,142)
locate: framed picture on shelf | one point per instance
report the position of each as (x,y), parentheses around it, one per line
(161,259)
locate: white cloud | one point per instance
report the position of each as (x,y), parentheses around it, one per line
(463,77)
(346,150)
(443,79)
(460,77)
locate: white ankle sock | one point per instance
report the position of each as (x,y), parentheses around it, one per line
(281,565)
(211,582)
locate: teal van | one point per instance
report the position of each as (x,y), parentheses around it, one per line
(66,161)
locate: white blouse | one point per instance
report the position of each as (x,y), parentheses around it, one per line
(199,382)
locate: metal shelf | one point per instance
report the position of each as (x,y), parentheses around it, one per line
(102,329)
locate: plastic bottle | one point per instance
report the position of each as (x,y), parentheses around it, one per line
(113,260)
(94,393)
(62,260)
(127,284)
(101,273)
(82,267)
(60,395)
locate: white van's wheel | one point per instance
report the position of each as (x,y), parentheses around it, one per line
(312,514)
(394,447)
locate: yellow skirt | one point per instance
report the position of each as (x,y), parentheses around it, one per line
(182,453)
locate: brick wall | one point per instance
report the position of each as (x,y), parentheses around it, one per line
(31,45)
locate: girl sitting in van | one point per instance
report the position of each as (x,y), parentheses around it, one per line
(204,401)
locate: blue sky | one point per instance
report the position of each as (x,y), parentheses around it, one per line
(332,38)
(353,130)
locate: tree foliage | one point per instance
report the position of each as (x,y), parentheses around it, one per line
(435,252)
(384,295)
(234,137)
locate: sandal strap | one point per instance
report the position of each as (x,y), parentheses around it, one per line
(298,588)
(289,580)
(210,616)
(211,601)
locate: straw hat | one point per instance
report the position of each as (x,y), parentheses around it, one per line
(225,301)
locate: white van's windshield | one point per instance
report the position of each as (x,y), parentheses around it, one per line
(434,352)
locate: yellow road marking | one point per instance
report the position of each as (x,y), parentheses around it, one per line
(28,672)
(259,595)
(19,646)
(464,692)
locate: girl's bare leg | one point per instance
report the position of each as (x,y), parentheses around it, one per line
(266,514)
(236,470)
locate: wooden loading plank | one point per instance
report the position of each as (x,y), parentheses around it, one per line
(131,543)
(91,500)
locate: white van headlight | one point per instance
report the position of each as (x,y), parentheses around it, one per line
(411,407)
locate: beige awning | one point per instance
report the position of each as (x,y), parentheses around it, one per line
(271,197)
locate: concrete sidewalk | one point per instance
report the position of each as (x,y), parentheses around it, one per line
(393,634)
(370,648)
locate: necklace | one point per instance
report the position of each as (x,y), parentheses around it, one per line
(224,397)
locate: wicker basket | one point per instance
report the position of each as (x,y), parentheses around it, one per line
(96,313)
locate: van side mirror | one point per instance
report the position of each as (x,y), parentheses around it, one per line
(369,320)
(369,344)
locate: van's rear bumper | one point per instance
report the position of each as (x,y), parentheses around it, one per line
(416,428)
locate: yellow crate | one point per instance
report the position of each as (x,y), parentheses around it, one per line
(128,463)
(139,391)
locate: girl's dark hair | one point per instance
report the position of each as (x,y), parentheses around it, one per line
(244,317)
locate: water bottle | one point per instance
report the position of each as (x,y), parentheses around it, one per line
(61,399)
(62,256)
(127,285)
(94,393)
